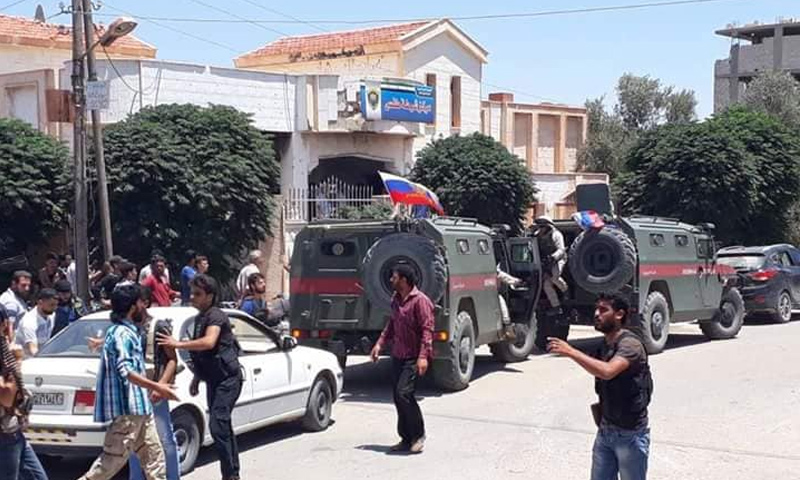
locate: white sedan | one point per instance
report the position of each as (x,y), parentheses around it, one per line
(281,384)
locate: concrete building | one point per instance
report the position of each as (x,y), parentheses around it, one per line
(547,137)
(40,50)
(435,54)
(755,48)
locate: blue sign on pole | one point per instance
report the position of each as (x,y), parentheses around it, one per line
(403,103)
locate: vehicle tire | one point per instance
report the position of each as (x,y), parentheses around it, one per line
(420,253)
(519,349)
(654,328)
(783,310)
(320,406)
(187,438)
(602,260)
(342,359)
(728,319)
(456,374)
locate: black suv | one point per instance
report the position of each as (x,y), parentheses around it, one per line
(770,278)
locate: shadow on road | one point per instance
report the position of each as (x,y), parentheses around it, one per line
(369,382)
(764,321)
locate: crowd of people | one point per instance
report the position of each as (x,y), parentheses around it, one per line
(36,307)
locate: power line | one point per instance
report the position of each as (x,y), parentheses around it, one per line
(239,17)
(13,4)
(173,29)
(285,15)
(500,16)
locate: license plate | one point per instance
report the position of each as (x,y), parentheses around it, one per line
(48,399)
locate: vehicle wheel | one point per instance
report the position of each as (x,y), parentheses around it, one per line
(602,260)
(655,323)
(420,253)
(519,349)
(728,319)
(320,406)
(342,359)
(783,311)
(456,374)
(187,438)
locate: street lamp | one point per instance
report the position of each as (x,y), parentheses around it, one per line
(83,49)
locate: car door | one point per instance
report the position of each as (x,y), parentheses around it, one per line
(526,265)
(269,368)
(710,282)
(794,258)
(791,274)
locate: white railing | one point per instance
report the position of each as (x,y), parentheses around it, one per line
(331,199)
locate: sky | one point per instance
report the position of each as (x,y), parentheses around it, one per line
(565,58)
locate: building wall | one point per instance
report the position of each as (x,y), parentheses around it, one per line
(446,58)
(574,141)
(14,58)
(23,96)
(385,64)
(547,134)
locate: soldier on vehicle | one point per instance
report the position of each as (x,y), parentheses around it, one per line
(554,256)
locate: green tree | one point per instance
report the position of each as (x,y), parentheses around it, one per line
(740,170)
(35,186)
(186,177)
(642,103)
(777,94)
(476,176)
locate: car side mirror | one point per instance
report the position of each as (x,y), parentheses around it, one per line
(288,343)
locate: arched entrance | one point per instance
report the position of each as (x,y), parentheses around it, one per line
(352,170)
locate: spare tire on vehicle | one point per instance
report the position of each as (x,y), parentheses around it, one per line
(602,260)
(416,251)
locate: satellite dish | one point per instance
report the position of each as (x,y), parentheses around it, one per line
(40,16)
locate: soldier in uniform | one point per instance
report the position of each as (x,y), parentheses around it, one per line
(554,256)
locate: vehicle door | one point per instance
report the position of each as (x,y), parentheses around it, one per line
(524,263)
(710,281)
(794,257)
(790,273)
(270,369)
(241,412)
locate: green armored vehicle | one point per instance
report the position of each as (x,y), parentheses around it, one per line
(667,268)
(341,294)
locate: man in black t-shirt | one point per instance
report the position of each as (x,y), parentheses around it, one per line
(215,360)
(624,385)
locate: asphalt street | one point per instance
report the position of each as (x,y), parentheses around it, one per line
(720,410)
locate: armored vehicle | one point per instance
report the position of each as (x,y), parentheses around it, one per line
(666,268)
(341,294)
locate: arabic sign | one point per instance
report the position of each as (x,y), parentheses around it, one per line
(403,103)
(97,95)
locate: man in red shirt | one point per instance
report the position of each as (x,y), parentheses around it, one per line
(410,331)
(161,293)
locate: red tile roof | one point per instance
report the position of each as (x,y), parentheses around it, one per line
(334,41)
(28,32)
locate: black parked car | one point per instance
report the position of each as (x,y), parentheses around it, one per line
(770,278)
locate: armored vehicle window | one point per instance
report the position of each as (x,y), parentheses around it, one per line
(463,246)
(520,254)
(483,247)
(705,248)
(657,240)
(338,249)
(681,241)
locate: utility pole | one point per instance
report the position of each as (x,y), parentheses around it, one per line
(79,150)
(97,132)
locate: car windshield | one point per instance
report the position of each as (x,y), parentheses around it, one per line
(743,262)
(73,340)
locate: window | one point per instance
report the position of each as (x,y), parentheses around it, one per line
(463,246)
(681,241)
(521,253)
(430,80)
(785,259)
(252,340)
(705,248)
(483,247)
(657,240)
(455,102)
(338,249)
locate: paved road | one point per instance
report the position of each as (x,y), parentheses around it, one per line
(721,410)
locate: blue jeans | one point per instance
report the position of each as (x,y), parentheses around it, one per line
(164,426)
(620,451)
(18,460)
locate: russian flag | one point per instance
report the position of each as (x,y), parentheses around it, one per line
(588,219)
(407,192)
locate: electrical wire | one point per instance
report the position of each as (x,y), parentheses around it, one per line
(499,16)
(285,15)
(238,17)
(172,29)
(12,4)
